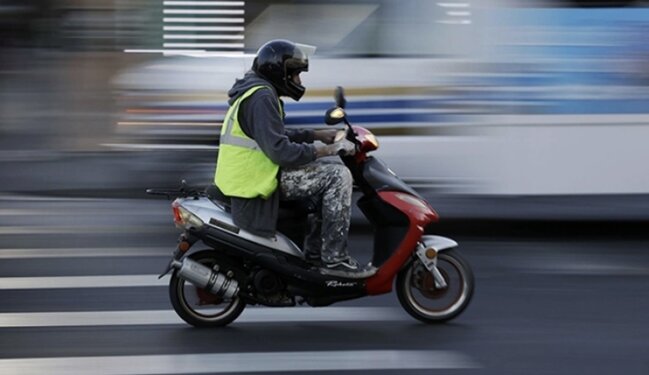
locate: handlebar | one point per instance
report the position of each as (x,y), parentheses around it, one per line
(185,191)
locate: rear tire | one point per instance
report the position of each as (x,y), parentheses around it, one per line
(422,300)
(198,307)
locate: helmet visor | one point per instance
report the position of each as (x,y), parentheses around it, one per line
(299,62)
(306,49)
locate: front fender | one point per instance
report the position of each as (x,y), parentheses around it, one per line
(438,243)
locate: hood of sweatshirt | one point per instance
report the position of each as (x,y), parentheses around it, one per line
(249,80)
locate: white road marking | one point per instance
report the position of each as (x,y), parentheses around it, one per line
(86,252)
(159,146)
(241,362)
(169,317)
(44,229)
(76,211)
(55,282)
(21,198)
(587,269)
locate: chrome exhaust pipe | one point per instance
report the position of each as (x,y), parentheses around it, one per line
(205,278)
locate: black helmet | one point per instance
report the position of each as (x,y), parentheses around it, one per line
(277,61)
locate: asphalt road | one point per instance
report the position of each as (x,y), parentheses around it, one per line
(79,296)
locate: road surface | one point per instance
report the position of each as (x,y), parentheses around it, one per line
(80,296)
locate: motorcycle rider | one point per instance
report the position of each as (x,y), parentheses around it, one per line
(261,162)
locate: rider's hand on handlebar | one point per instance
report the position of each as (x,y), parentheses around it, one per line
(343,147)
(326,136)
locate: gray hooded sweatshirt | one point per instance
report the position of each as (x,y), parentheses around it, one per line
(260,118)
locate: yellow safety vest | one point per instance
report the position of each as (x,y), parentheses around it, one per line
(242,168)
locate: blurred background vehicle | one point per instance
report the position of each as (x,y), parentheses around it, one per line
(539,104)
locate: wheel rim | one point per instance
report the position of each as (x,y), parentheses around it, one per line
(201,304)
(434,302)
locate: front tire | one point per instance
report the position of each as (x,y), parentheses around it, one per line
(420,297)
(198,307)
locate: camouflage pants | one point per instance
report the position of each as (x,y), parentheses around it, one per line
(329,185)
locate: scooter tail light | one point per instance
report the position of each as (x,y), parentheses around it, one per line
(178,218)
(185,219)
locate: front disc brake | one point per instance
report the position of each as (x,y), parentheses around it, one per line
(424,281)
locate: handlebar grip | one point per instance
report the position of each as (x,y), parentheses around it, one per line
(156,192)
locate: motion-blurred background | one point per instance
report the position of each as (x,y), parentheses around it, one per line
(493,108)
(525,123)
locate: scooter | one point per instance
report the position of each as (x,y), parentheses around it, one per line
(211,288)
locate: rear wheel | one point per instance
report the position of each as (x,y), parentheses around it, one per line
(420,297)
(198,307)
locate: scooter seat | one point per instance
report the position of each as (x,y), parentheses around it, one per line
(216,195)
(287,209)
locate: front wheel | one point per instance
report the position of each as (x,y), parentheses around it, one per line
(198,307)
(420,297)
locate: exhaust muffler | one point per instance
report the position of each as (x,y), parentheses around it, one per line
(205,278)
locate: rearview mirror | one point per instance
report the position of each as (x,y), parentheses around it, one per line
(334,116)
(339,96)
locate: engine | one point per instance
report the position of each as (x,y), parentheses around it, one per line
(268,289)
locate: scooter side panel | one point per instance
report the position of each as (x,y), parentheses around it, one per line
(208,212)
(419,216)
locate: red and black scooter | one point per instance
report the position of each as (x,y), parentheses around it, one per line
(211,287)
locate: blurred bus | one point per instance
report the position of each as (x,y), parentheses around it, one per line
(490,97)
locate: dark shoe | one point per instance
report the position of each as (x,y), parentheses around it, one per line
(349,264)
(348,268)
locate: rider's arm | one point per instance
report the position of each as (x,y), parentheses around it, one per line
(260,119)
(300,135)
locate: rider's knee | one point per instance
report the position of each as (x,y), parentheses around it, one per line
(344,176)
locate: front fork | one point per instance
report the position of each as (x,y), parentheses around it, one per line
(185,242)
(427,251)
